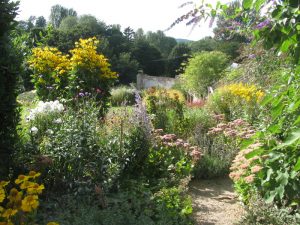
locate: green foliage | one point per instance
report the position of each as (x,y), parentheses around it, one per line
(235,101)
(260,213)
(149,58)
(58,13)
(211,166)
(122,95)
(9,69)
(166,108)
(178,58)
(203,70)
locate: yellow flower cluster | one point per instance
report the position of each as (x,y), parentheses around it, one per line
(85,56)
(244,91)
(169,93)
(48,60)
(17,203)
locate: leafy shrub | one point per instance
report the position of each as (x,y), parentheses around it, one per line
(236,101)
(166,109)
(260,213)
(220,145)
(9,69)
(203,70)
(57,75)
(122,95)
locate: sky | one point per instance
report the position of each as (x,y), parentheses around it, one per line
(151,15)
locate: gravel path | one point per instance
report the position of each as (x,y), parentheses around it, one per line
(215,202)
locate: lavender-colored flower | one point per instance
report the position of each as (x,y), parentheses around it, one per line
(251,56)
(263,24)
(81,94)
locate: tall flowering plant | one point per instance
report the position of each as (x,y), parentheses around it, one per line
(84,70)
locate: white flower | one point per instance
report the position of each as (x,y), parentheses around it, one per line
(49,131)
(34,130)
(58,121)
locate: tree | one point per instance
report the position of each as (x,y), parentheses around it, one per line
(149,58)
(58,13)
(178,56)
(126,67)
(9,67)
(68,23)
(203,70)
(40,22)
(161,42)
(205,44)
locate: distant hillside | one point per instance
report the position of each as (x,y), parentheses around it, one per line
(181,40)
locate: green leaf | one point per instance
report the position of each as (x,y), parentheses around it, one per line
(258,4)
(269,197)
(283,178)
(247,4)
(291,139)
(280,191)
(297,121)
(297,166)
(254,153)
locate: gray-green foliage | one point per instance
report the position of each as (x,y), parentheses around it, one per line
(203,70)
(122,95)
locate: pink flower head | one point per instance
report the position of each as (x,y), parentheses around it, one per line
(256,169)
(249,179)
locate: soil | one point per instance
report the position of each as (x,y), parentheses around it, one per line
(214,202)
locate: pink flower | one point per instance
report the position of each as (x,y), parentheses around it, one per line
(244,166)
(256,169)
(249,179)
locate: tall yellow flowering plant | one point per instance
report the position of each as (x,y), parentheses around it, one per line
(236,100)
(83,71)
(19,204)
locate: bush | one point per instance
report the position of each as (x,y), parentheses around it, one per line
(9,69)
(260,213)
(122,95)
(236,101)
(63,76)
(203,70)
(166,109)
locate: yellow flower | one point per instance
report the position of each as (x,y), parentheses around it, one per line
(2,194)
(33,174)
(4,183)
(15,195)
(27,184)
(52,223)
(9,213)
(6,223)
(35,189)
(21,179)
(30,203)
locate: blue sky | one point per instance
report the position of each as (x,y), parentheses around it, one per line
(150,15)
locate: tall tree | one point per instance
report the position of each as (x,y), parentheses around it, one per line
(58,13)
(9,67)
(178,56)
(149,58)
(40,22)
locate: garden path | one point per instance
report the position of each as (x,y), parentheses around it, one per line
(215,202)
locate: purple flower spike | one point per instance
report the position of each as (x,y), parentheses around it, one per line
(263,24)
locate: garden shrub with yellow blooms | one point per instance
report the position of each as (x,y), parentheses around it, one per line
(18,205)
(65,76)
(236,100)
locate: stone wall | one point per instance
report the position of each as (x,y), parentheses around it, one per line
(145,81)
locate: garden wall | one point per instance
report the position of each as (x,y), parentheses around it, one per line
(145,81)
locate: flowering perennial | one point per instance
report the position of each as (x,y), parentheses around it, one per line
(44,108)
(19,203)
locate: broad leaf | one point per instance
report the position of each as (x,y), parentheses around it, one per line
(291,139)
(297,166)
(247,4)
